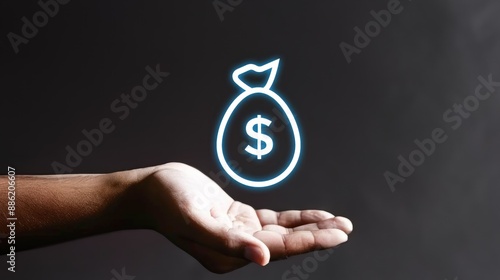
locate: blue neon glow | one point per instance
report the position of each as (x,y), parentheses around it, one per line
(249,91)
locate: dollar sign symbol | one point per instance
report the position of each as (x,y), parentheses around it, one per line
(259,152)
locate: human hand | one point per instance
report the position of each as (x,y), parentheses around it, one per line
(225,234)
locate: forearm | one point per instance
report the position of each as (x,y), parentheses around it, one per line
(51,209)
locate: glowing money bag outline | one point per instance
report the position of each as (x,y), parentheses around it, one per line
(249,91)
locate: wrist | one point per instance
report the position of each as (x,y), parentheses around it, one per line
(127,199)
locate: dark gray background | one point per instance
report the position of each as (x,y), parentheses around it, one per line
(443,222)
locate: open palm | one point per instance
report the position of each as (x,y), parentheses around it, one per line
(223,234)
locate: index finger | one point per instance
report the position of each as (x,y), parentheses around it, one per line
(292,218)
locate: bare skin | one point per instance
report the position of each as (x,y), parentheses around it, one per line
(173,199)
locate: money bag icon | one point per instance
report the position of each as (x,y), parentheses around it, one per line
(252,91)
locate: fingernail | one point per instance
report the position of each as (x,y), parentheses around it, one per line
(253,254)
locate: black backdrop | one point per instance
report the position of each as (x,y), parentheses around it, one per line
(356,118)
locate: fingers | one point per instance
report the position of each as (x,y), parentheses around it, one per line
(296,232)
(300,242)
(292,218)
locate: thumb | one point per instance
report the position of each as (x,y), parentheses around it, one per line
(241,244)
(235,243)
(218,233)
